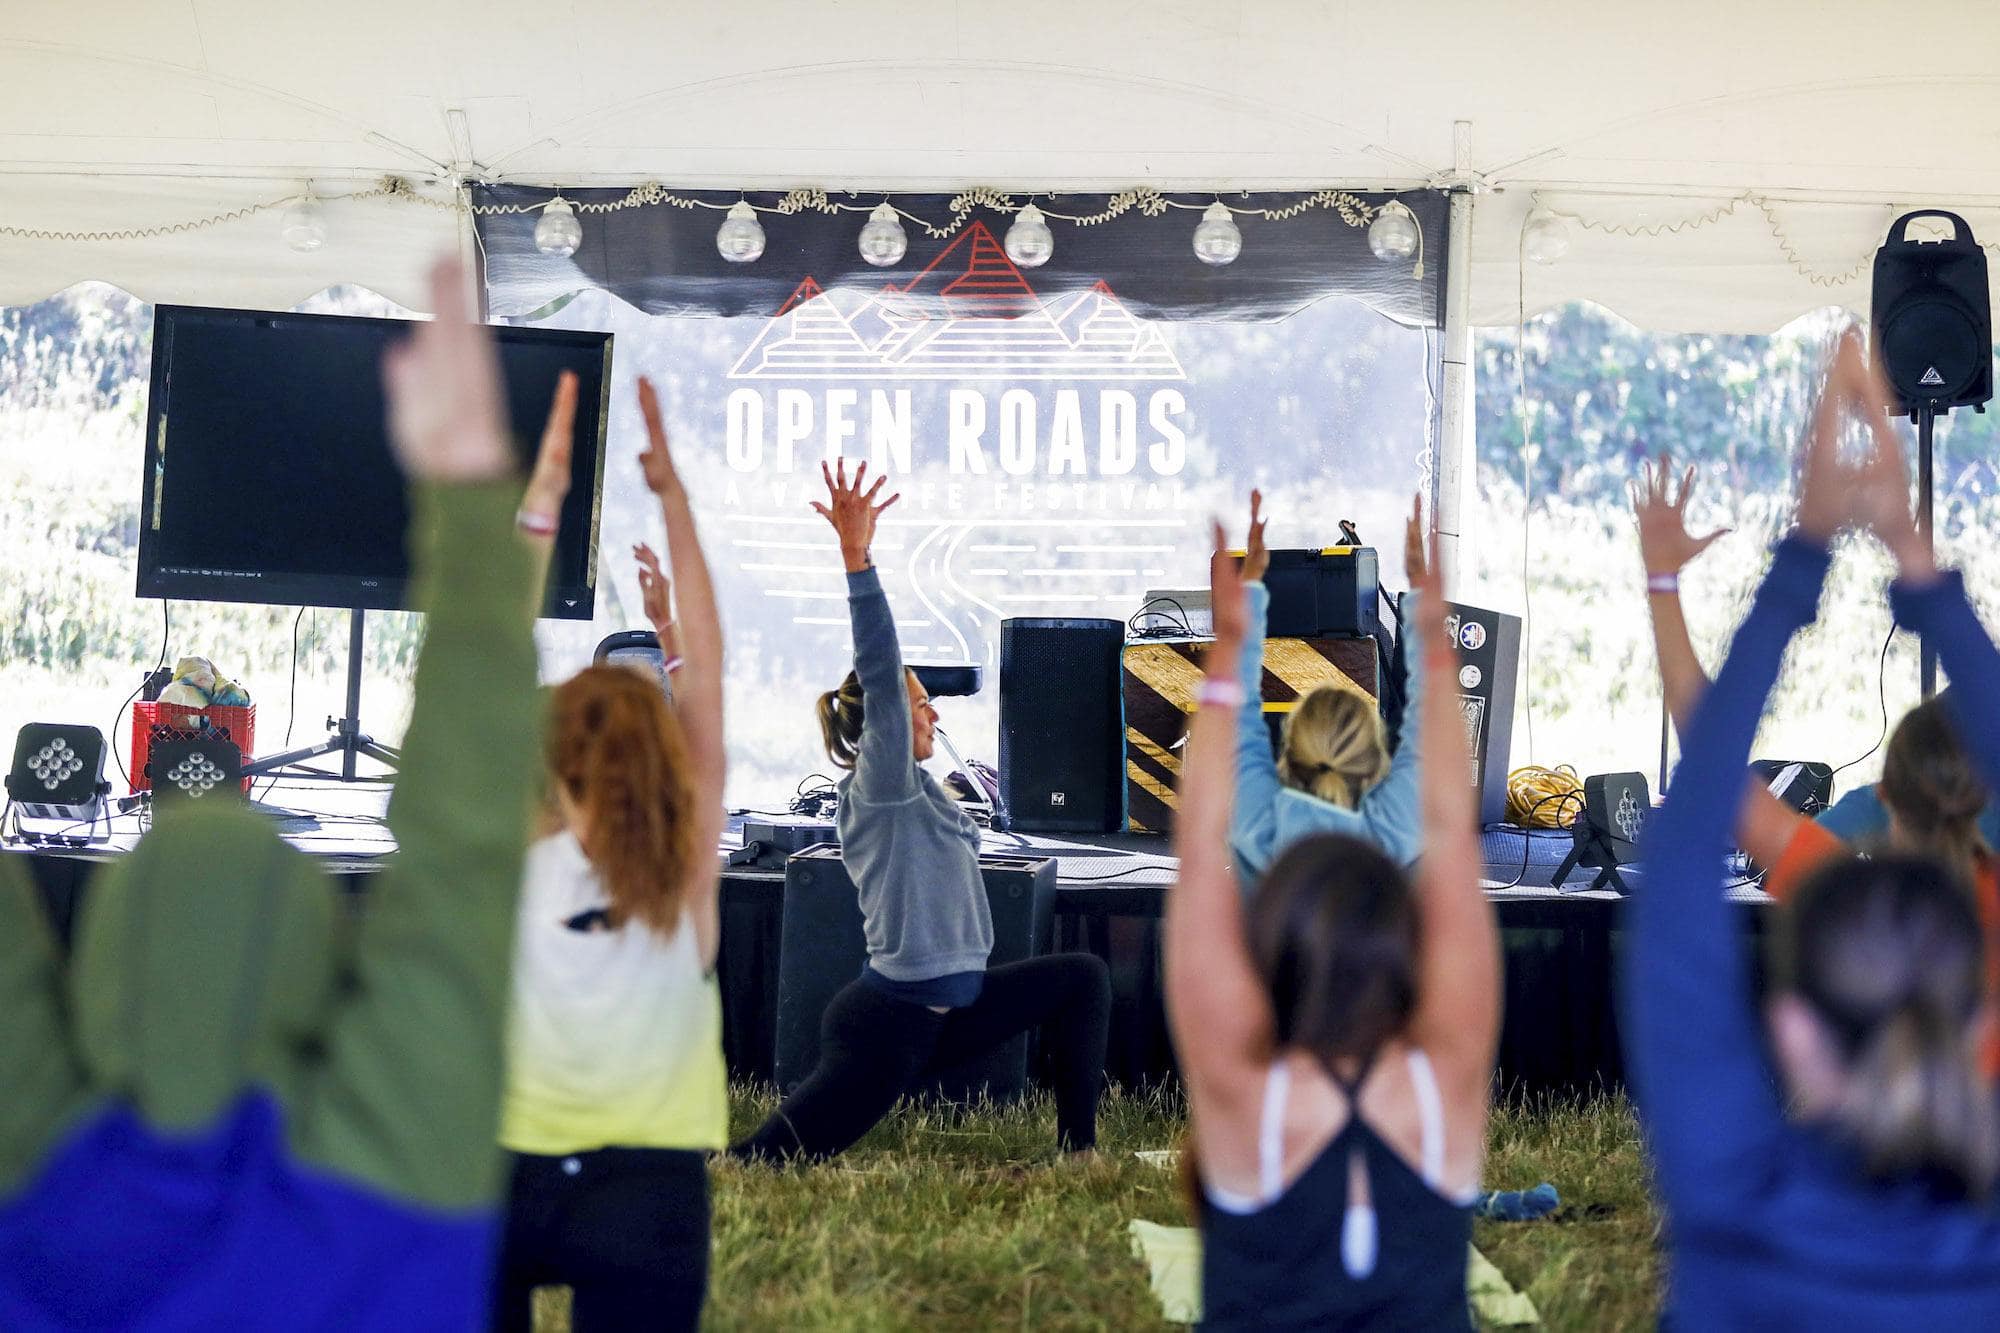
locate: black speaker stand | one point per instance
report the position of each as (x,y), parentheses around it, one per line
(348,741)
(1926,651)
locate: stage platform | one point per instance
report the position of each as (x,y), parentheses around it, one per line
(1561,944)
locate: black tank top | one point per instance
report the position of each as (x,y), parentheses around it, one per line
(1281,1267)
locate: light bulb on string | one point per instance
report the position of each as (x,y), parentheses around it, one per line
(1546,238)
(1029,241)
(882,240)
(304,224)
(740,238)
(1393,234)
(558,233)
(1217,239)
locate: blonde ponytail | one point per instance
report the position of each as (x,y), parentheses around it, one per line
(1332,746)
(840,720)
(1889,955)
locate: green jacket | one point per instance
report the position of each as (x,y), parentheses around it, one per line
(216,963)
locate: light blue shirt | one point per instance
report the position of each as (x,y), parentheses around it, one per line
(1269,817)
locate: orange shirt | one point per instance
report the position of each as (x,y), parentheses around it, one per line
(1812,846)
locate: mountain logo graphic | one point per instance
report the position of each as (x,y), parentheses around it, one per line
(1931,376)
(971,315)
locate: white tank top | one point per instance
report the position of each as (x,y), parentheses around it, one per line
(615,1035)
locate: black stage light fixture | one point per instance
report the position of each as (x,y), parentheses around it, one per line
(58,772)
(189,768)
(1606,832)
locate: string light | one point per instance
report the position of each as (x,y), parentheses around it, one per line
(558,233)
(1029,241)
(882,240)
(304,224)
(1393,234)
(740,238)
(1217,239)
(1545,239)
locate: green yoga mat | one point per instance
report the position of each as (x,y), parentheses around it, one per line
(1173,1255)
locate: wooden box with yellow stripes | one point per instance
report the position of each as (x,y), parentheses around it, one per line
(1160,678)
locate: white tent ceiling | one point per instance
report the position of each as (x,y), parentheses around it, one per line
(1820,120)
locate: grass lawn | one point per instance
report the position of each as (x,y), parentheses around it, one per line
(937,1221)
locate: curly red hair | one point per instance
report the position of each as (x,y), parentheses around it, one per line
(616,749)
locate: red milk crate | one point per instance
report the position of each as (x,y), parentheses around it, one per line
(155,722)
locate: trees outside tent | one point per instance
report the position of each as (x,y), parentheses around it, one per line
(1603,395)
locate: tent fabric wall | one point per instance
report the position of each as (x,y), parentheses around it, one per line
(115,113)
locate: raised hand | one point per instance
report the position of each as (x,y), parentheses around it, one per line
(852,511)
(548,484)
(656,460)
(1665,544)
(1884,490)
(656,589)
(1418,563)
(1256,556)
(1226,600)
(1830,490)
(447,415)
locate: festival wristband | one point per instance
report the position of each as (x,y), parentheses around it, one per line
(1221,692)
(1663,583)
(535,525)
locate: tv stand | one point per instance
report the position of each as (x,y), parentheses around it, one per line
(348,740)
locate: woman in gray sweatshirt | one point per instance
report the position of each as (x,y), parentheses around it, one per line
(926,998)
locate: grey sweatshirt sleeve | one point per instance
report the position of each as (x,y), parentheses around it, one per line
(885,769)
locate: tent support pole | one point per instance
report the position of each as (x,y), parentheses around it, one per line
(1454,464)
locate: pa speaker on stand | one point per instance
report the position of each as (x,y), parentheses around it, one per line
(1932,314)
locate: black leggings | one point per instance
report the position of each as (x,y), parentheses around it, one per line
(625,1228)
(873,1049)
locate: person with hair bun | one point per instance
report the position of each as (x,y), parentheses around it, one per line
(926,997)
(1333,772)
(616,1089)
(1862,1195)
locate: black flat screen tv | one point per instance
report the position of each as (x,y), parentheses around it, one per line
(268,471)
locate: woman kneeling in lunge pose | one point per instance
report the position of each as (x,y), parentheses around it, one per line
(1336,1034)
(926,997)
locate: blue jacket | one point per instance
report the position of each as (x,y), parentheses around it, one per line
(1772,1223)
(1268,816)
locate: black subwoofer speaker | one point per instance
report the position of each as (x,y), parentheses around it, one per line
(821,949)
(1060,744)
(1933,317)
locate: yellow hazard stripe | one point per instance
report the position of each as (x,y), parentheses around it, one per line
(1149,782)
(1153,750)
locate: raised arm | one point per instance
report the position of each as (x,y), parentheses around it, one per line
(1765,825)
(41,1079)
(1253,822)
(698,685)
(1458,962)
(409,1094)
(1222,1023)
(656,598)
(1692,1032)
(1393,807)
(886,767)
